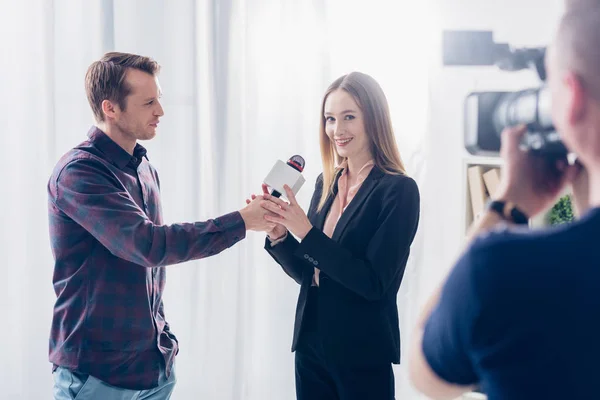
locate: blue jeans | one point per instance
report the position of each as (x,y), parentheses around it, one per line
(76,386)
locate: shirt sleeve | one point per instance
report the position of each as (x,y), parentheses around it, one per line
(274,242)
(447,335)
(89,194)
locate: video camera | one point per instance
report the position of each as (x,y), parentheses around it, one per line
(488,113)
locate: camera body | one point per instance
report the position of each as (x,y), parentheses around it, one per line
(486,114)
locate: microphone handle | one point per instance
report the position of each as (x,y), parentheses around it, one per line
(275,193)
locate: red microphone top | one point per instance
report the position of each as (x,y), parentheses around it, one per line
(296,162)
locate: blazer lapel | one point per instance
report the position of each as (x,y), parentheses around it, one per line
(320,217)
(363,192)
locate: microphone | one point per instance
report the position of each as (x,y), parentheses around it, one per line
(289,173)
(296,162)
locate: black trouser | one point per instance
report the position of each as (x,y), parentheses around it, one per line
(318,378)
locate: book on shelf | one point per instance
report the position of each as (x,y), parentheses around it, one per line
(482,184)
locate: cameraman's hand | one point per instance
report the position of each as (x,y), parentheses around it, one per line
(254,216)
(532,182)
(279,230)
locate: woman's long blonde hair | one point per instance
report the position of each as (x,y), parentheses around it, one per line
(378,126)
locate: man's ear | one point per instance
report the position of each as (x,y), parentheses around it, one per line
(576,97)
(109,109)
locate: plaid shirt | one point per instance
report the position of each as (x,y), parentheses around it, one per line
(110,247)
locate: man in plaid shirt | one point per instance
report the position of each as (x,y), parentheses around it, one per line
(109,337)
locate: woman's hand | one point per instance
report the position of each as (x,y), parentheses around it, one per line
(279,230)
(290,215)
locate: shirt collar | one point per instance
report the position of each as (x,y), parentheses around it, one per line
(115,153)
(364,171)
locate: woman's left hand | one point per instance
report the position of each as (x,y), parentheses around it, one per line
(290,215)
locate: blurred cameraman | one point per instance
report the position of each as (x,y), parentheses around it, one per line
(519,314)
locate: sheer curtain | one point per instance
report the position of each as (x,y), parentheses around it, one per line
(242,83)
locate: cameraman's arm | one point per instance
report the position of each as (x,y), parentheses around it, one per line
(421,373)
(488,220)
(423,377)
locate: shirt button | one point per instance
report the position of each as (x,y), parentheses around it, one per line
(306,256)
(311,259)
(316,262)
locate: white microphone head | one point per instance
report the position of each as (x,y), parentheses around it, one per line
(284,174)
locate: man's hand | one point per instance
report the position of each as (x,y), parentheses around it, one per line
(254,216)
(532,182)
(279,230)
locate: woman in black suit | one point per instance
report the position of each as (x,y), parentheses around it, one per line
(349,253)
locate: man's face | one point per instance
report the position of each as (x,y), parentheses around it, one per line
(143,110)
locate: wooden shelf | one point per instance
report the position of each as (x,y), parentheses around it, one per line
(483,165)
(486,164)
(479,160)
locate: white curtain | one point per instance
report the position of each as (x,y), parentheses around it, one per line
(242,83)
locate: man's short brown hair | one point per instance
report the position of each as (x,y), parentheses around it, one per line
(105,79)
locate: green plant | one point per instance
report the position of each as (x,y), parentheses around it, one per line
(561,212)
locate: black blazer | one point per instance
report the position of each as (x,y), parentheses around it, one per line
(361,268)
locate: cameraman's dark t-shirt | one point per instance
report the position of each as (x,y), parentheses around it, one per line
(520,315)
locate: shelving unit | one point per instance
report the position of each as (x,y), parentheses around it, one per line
(486,164)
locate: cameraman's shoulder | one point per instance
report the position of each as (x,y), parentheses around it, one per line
(510,239)
(513,256)
(502,241)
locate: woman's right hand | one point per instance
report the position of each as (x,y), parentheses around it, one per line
(279,230)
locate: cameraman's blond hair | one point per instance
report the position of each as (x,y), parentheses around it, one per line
(578,43)
(572,4)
